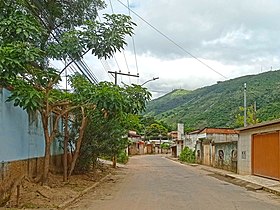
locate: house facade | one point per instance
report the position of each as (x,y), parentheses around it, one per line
(136,146)
(259,150)
(217,147)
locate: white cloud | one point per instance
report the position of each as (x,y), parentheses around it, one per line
(235,38)
(231,38)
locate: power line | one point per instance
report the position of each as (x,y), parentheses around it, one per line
(172,41)
(111,6)
(104,63)
(133,42)
(122,50)
(79,64)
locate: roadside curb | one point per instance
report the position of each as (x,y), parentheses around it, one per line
(247,184)
(270,190)
(72,200)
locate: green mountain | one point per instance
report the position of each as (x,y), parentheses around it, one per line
(218,105)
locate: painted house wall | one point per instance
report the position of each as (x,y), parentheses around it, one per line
(221,138)
(207,148)
(191,141)
(198,152)
(180,147)
(244,157)
(21,137)
(229,159)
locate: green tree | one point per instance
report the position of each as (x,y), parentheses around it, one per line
(109,122)
(32,33)
(155,130)
(251,118)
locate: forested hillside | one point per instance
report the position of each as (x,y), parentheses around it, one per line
(217,105)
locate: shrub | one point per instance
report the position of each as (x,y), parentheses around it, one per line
(122,158)
(165,146)
(187,155)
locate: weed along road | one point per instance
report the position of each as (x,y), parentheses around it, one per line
(155,182)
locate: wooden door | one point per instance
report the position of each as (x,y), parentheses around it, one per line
(206,154)
(265,155)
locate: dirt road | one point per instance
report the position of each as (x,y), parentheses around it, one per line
(154,182)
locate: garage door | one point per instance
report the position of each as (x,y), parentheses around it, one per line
(265,155)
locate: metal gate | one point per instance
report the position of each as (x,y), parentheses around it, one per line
(265,155)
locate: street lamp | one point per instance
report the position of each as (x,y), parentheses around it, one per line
(154,78)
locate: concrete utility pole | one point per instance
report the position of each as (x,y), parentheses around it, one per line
(120,73)
(255,112)
(116,83)
(245,106)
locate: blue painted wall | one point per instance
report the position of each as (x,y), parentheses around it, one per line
(21,134)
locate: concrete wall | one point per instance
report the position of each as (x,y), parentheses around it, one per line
(206,148)
(180,129)
(221,138)
(190,141)
(229,159)
(22,146)
(198,152)
(244,156)
(21,134)
(180,147)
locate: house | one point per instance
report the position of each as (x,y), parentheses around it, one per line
(217,147)
(156,149)
(259,149)
(136,146)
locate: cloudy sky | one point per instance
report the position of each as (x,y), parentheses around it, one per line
(233,38)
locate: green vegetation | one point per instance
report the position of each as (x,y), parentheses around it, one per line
(122,158)
(187,155)
(165,146)
(219,105)
(156,131)
(33,33)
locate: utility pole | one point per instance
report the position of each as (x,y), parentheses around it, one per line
(120,73)
(255,112)
(245,106)
(114,159)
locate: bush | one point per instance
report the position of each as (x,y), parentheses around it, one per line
(122,158)
(165,146)
(187,155)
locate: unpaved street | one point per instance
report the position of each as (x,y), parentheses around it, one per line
(154,182)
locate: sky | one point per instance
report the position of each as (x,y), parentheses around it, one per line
(229,39)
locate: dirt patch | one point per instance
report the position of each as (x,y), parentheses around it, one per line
(33,195)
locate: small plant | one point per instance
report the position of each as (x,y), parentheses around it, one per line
(122,158)
(187,155)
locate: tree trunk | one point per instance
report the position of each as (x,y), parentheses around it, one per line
(66,138)
(48,141)
(79,143)
(114,160)
(46,161)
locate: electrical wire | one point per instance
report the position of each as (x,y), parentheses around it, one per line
(172,41)
(86,72)
(122,50)
(133,43)
(106,66)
